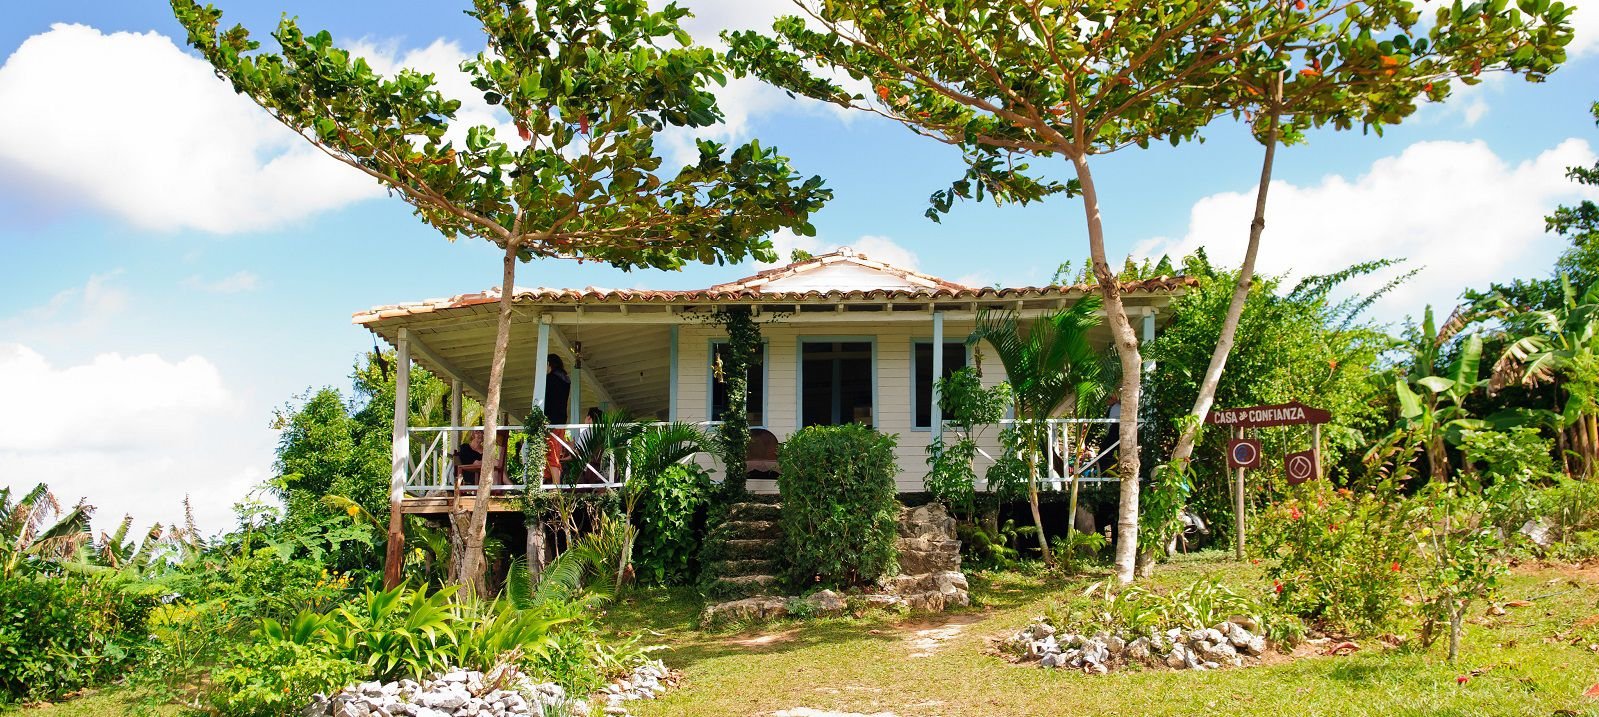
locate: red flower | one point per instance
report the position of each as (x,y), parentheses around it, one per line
(1395,566)
(1461,680)
(1277,585)
(1294,513)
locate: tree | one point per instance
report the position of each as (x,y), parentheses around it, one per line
(34,527)
(1561,346)
(1431,395)
(588,85)
(1347,76)
(1048,365)
(1004,80)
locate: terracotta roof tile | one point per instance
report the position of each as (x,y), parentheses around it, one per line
(748,289)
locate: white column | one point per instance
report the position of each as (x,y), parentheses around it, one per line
(1149,335)
(671,390)
(574,407)
(401,448)
(937,411)
(540,365)
(455,413)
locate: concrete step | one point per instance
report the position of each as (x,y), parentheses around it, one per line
(754,511)
(744,586)
(752,530)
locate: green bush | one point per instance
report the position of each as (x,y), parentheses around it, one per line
(839,513)
(59,634)
(1338,558)
(669,519)
(277,677)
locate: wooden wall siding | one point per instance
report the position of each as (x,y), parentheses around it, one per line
(892,411)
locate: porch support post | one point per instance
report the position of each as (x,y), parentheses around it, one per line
(540,371)
(937,410)
(671,389)
(1149,335)
(400,454)
(455,413)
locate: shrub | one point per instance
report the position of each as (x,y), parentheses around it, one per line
(277,677)
(839,513)
(1339,557)
(59,634)
(669,523)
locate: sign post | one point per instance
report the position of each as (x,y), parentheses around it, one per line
(1245,452)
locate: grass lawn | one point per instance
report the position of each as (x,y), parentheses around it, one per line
(944,665)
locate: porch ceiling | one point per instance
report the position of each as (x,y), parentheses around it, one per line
(624,365)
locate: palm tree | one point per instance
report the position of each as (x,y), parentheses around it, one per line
(1561,343)
(23,535)
(1048,365)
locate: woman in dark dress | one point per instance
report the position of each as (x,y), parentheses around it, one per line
(557,400)
(469,459)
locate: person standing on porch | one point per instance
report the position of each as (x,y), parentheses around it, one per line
(557,400)
(1113,433)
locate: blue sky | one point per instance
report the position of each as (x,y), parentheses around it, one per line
(173,266)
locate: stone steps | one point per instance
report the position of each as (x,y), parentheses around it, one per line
(742,552)
(746,512)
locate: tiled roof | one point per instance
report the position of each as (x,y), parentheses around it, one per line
(750,289)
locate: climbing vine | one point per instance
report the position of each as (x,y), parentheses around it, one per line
(743,345)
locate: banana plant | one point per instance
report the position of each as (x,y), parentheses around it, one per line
(1431,397)
(27,532)
(1561,346)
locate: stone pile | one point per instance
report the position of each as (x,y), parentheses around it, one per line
(503,692)
(1227,644)
(930,575)
(646,682)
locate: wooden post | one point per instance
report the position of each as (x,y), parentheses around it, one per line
(1238,507)
(1315,441)
(394,557)
(937,411)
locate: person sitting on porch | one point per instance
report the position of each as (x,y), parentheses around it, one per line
(469,459)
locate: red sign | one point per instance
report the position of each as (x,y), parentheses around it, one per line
(1300,466)
(1243,453)
(1286,414)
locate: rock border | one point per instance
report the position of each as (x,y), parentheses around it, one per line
(1234,643)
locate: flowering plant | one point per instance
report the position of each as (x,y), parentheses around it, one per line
(1338,555)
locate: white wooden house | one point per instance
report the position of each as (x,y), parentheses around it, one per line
(846,339)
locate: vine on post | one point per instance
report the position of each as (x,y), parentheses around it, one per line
(743,343)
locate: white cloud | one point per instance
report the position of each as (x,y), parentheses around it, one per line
(72,313)
(741,100)
(442,59)
(235,283)
(1585,21)
(1454,208)
(132,434)
(130,123)
(879,248)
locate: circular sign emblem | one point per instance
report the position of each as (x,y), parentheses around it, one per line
(1300,466)
(1243,453)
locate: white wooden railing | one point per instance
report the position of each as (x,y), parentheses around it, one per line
(434,469)
(1060,439)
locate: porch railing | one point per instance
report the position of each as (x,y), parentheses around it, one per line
(433,468)
(1062,437)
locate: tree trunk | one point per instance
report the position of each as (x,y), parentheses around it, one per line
(1032,494)
(1126,343)
(1235,309)
(1071,525)
(1457,614)
(470,568)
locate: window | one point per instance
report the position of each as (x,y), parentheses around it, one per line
(755,406)
(835,383)
(922,354)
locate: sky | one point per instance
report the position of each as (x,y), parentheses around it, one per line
(174,265)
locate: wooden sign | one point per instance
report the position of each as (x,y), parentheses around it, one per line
(1300,466)
(1285,414)
(1243,453)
